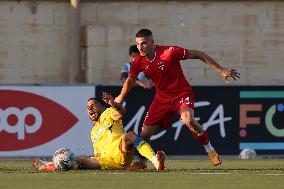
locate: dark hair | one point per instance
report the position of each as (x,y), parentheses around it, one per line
(133,49)
(144,33)
(95,99)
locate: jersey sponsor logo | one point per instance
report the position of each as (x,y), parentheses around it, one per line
(28,120)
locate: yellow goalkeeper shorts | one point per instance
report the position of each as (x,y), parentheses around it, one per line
(115,158)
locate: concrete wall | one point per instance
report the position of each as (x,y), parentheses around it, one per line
(245,35)
(33,42)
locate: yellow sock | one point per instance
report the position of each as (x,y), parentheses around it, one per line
(145,149)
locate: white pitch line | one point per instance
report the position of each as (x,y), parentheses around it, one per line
(191,173)
(224,173)
(273,174)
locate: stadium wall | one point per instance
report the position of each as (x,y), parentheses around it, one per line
(35,38)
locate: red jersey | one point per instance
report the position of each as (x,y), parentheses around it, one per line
(164,70)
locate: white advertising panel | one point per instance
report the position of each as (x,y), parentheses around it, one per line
(37,120)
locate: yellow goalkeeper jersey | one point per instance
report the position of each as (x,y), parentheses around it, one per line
(106,137)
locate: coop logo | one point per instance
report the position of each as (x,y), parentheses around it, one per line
(14,120)
(272,126)
(28,120)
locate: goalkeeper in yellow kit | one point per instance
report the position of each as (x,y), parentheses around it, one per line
(113,148)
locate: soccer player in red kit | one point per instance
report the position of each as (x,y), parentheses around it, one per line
(173,92)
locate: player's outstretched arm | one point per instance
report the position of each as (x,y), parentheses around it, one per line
(109,100)
(225,72)
(127,86)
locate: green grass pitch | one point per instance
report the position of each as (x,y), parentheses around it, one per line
(192,173)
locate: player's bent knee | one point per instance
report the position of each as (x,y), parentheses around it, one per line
(196,127)
(146,137)
(148,131)
(192,125)
(130,136)
(189,122)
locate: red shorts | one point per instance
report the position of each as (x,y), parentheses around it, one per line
(161,113)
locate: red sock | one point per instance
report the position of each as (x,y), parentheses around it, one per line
(202,139)
(48,167)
